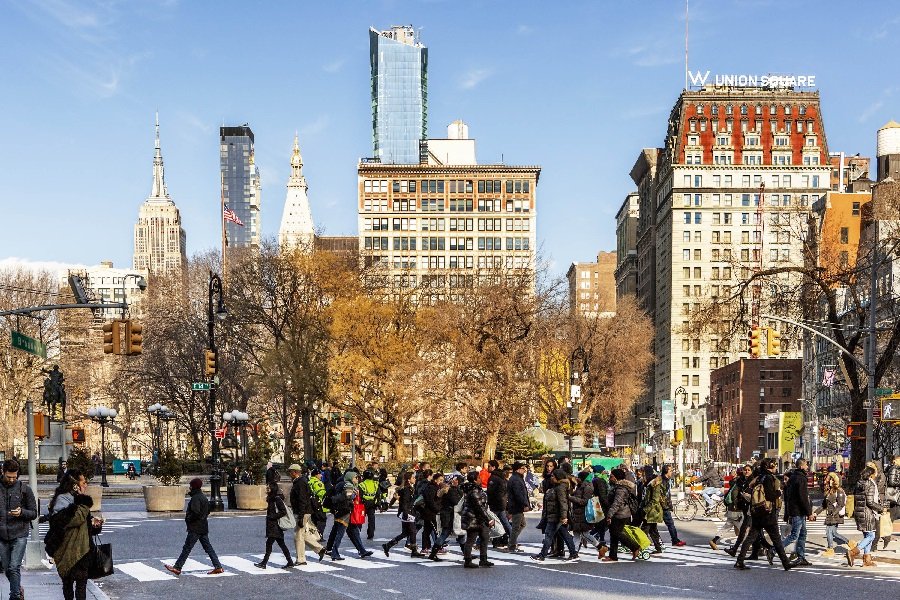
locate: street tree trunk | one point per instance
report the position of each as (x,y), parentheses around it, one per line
(309,450)
(399,449)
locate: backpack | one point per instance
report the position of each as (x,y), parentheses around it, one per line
(758,501)
(729,500)
(634,504)
(53,539)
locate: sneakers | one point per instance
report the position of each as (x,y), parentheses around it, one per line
(173,570)
(731,551)
(573,556)
(537,557)
(802,562)
(827,552)
(216,571)
(366,553)
(485,563)
(741,566)
(679,543)
(385,547)
(260,565)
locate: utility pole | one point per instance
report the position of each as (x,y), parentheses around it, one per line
(34,547)
(873,344)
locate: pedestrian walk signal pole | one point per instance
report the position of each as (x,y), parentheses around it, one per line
(34,547)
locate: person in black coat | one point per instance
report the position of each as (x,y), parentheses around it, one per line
(449,494)
(431,506)
(196,517)
(764,517)
(406,513)
(517,504)
(797,509)
(275,509)
(497,494)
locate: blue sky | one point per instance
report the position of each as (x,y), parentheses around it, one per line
(577,87)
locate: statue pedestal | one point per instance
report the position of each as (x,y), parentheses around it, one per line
(50,449)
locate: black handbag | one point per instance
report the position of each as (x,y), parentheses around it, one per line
(100,562)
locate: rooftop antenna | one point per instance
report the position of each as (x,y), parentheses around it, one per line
(686,14)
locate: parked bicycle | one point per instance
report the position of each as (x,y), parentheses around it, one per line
(688,507)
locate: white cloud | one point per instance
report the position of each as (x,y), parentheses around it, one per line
(334,66)
(873,108)
(471,79)
(524,29)
(60,270)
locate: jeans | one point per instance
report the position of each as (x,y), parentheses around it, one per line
(504,520)
(334,538)
(354,533)
(708,493)
(189,542)
(865,546)
(758,524)
(550,531)
(11,554)
(832,536)
(798,535)
(670,525)
(517,525)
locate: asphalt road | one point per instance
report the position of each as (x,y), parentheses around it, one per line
(695,571)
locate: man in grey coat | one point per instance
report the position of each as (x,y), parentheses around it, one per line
(17,509)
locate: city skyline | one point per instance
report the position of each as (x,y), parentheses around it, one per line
(90,94)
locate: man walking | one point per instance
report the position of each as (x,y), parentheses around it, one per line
(766,496)
(368,491)
(798,510)
(666,474)
(497,495)
(17,509)
(517,504)
(197,519)
(305,533)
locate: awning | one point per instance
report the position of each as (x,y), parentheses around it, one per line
(553,439)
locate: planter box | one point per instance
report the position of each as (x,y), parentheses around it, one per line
(250,497)
(96,494)
(164,498)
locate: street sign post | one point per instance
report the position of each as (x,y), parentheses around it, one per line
(201,386)
(29,344)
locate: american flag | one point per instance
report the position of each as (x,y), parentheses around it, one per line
(230,215)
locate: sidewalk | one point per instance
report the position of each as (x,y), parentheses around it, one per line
(44,584)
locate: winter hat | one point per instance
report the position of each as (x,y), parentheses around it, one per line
(295,467)
(598,468)
(582,475)
(349,475)
(196,483)
(517,465)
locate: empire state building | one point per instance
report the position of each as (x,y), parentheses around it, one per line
(159,240)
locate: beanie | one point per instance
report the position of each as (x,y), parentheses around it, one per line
(196,483)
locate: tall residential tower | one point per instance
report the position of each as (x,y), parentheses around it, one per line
(241,185)
(399,65)
(159,240)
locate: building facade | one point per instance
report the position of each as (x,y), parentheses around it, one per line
(160,244)
(741,394)
(297,228)
(399,84)
(626,246)
(728,195)
(241,185)
(438,224)
(592,286)
(847,171)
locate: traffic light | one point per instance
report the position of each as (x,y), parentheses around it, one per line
(345,437)
(679,435)
(714,429)
(773,342)
(856,430)
(133,337)
(209,363)
(753,342)
(823,432)
(112,343)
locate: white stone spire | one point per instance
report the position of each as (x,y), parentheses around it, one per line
(296,222)
(159,190)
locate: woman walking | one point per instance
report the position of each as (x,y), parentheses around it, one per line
(70,515)
(476,522)
(866,511)
(556,514)
(651,506)
(579,499)
(834,504)
(275,509)
(406,513)
(342,505)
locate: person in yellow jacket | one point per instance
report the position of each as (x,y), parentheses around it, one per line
(317,487)
(368,490)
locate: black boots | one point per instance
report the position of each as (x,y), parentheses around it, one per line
(387,548)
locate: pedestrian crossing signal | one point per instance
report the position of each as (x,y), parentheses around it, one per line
(856,430)
(78,435)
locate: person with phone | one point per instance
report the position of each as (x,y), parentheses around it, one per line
(17,509)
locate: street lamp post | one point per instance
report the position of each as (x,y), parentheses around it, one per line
(102,415)
(215,478)
(238,420)
(160,411)
(166,416)
(577,378)
(683,392)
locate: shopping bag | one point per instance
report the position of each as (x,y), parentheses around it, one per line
(593,511)
(358,514)
(497,529)
(288,522)
(886,527)
(100,563)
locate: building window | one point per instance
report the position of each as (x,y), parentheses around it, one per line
(845,235)
(855,209)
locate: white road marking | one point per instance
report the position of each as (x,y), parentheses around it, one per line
(142,572)
(246,566)
(354,580)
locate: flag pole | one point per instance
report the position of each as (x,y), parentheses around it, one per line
(222,221)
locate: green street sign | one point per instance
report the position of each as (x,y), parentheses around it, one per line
(879,392)
(28,344)
(201,386)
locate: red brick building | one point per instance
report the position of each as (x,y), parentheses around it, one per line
(741,393)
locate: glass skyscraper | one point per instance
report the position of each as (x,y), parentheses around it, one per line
(242,187)
(399,94)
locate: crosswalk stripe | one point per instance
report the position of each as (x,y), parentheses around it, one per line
(357,563)
(246,566)
(309,567)
(142,572)
(189,565)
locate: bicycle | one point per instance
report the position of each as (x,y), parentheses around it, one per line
(687,508)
